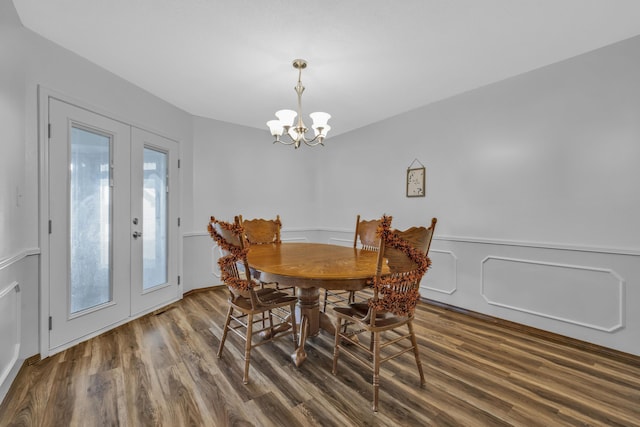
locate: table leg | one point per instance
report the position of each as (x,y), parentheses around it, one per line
(311,320)
(299,356)
(308,308)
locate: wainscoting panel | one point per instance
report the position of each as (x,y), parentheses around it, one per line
(9,328)
(442,276)
(584,296)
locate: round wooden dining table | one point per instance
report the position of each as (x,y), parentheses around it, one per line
(309,267)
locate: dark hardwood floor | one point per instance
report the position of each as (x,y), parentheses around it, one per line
(161,370)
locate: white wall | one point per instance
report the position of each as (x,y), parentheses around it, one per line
(239,170)
(27,61)
(534,181)
(16,264)
(549,156)
(12,160)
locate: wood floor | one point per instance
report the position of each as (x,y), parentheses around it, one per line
(161,370)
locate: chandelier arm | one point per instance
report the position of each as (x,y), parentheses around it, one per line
(292,141)
(285,142)
(304,139)
(313,144)
(301,138)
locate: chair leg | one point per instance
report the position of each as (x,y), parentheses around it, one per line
(247,348)
(376,370)
(270,316)
(294,327)
(224,331)
(416,352)
(336,345)
(324,306)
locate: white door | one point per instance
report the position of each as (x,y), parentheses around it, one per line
(154,181)
(97,192)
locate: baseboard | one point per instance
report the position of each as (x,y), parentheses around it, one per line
(32,360)
(198,290)
(27,362)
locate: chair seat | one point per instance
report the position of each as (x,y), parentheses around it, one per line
(264,292)
(274,300)
(362,308)
(383,322)
(358,307)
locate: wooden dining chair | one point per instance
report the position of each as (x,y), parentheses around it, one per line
(392,307)
(366,238)
(248,304)
(420,239)
(260,231)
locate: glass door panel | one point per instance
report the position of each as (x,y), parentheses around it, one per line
(90,219)
(154,219)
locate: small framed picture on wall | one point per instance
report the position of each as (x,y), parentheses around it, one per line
(416,182)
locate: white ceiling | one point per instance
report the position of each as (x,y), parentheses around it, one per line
(368,59)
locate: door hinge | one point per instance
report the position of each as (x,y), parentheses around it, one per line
(50,323)
(50,226)
(49,130)
(178,221)
(178,280)
(178,163)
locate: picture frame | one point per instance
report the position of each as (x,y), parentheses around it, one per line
(416,180)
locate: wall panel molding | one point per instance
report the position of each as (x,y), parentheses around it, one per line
(10,315)
(443,275)
(586,296)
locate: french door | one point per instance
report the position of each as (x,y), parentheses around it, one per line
(113,223)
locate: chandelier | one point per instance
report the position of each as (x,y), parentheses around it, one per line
(295,134)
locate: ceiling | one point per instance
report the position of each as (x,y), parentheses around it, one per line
(368,59)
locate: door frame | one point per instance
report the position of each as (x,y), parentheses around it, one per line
(43,95)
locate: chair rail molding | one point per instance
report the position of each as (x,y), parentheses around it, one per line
(10,260)
(540,245)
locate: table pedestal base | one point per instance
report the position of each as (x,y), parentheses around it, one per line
(311,321)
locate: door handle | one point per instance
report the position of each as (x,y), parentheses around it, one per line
(137,234)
